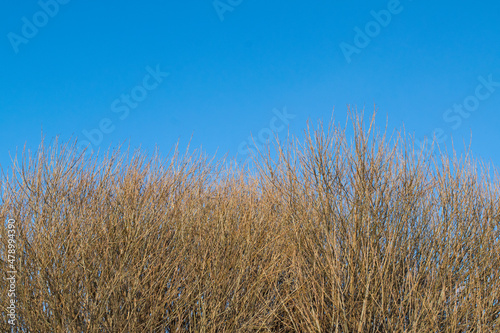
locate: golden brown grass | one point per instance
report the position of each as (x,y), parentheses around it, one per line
(322,235)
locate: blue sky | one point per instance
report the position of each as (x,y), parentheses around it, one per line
(150,73)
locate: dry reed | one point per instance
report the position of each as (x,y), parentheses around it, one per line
(321,235)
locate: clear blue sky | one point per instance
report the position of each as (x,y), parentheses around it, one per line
(234,67)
